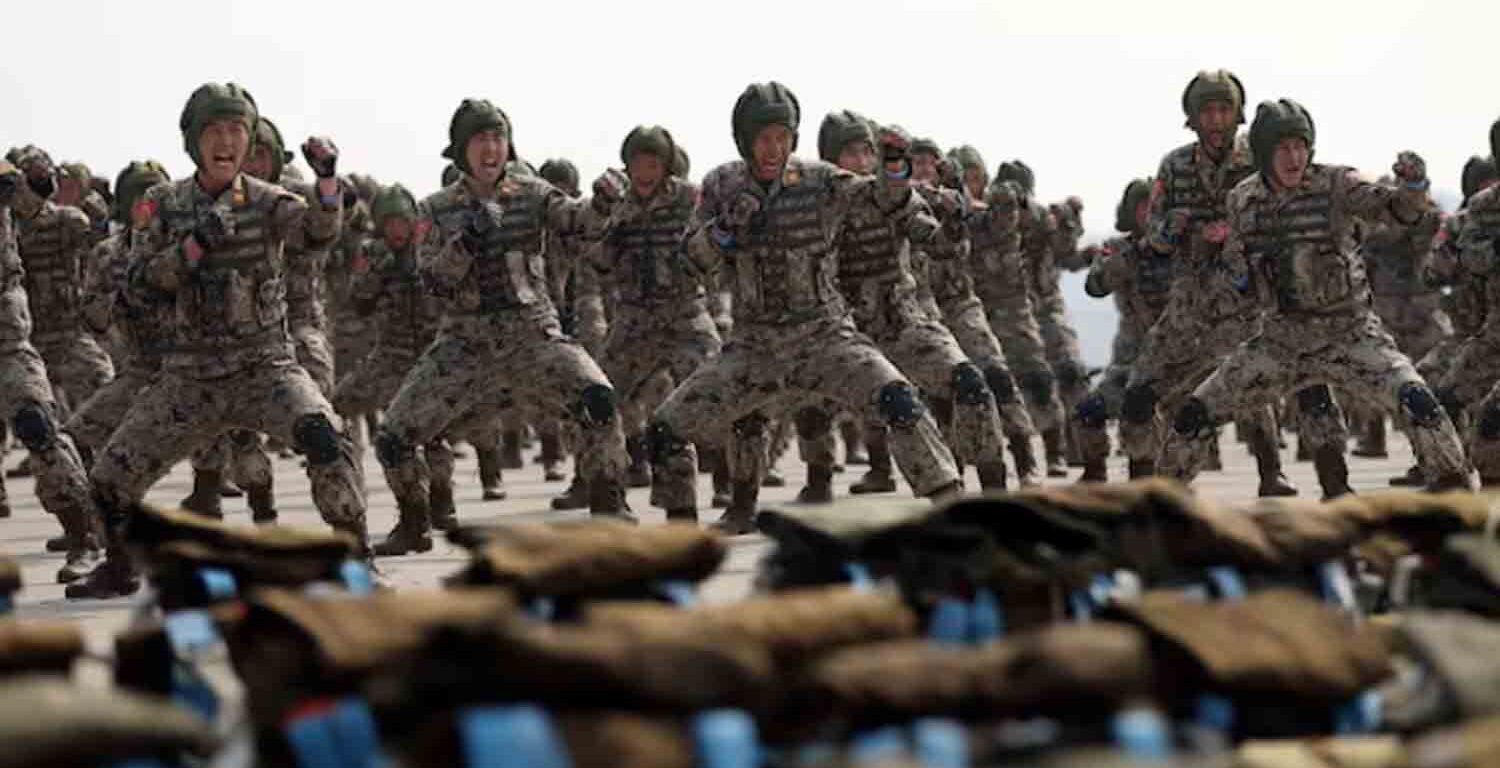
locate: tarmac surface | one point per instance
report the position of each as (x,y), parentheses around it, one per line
(22,535)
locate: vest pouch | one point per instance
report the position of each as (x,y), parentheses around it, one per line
(270,302)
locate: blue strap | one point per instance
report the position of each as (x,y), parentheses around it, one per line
(190,690)
(1227,582)
(542,608)
(1336,586)
(986,617)
(342,736)
(949,622)
(1082,605)
(519,736)
(878,745)
(682,593)
(859,576)
(356,577)
(1142,733)
(313,742)
(1214,711)
(726,738)
(218,583)
(190,631)
(940,743)
(1362,714)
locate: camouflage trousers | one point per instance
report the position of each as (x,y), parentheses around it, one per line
(76,366)
(61,481)
(1063,352)
(966,320)
(1104,403)
(176,415)
(1417,323)
(1351,352)
(763,364)
(1467,389)
(353,336)
(316,356)
(500,359)
(1021,337)
(96,419)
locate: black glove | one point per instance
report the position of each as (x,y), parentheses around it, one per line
(322,155)
(212,230)
(9,183)
(483,219)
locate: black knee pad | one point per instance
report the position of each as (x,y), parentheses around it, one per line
(316,439)
(969,386)
(1315,401)
(34,427)
(1140,404)
(900,406)
(1489,422)
(813,422)
(1002,384)
(1192,418)
(1420,404)
(596,405)
(1038,386)
(750,427)
(245,439)
(1092,412)
(661,442)
(391,450)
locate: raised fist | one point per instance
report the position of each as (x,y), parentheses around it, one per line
(322,156)
(1410,168)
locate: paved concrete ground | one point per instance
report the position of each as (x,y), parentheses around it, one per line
(22,535)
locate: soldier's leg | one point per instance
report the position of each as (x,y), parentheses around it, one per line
(92,422)
(441,509)
(979,343)
(250,468)
(210,463)
(638,370)
(1066,359)
(82,367)
(1248,379)
(315,355)
(816,443)
(1092,417)
(1320,426)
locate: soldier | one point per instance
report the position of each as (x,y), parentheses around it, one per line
(877,281)
(1479,255)
(214,247)
(1140,279)
(766,224)
(1044,240)
(661,331)
(75,189)
(480,245)
(950,283)
(54,242)
(1291,241)
(61,484)
(582,311)
(1202,323)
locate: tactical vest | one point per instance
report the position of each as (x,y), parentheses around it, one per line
(1194,183)
(52,252)
(1151,286)
(509,269)
(1040,261)
(1302,246)
(645,272)
(236,296)
(785,270)
(406,315)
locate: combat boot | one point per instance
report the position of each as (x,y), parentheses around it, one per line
(1140,468)
(1333,472)
(510,450)
(1024,455)
(1457,481)
(489,474)
(576,497)
(1095,470)
(1052,442)
(228,490)
(440,507)
(739,518)
(412,532)
(879,478)
(262,502)
(82,551)
(204,499)
(819,488)
(606,498)
(639,473)
(1268,465)
(773,478)
(1371,443)
(115,577)
(1412,479)
(24,469)
(950,492)
(992,476)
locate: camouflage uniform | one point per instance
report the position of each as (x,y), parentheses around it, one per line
(1140,279)
(230,361)
(501,331)
(773,244)
(353,334)
(1204,320)
(661,330)
(1295,249)
(1479,255)
(76,176)
(54,242)
(61,484)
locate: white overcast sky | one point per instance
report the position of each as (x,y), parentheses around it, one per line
(1087,92)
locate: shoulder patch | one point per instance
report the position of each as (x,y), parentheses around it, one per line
(142,213)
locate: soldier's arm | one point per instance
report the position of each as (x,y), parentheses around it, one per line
(702,254)
(1478,244)
(908,211)
(574,220)
(1403,206)
(292,218)
(1239,267)
(1065,238)
(591,325)
(442,259)
(1107,272)
(1443,267)
(1160,227)
(98,298)
(158,255)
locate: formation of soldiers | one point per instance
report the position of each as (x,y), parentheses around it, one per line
(900,292)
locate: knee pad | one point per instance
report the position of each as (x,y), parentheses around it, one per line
(969,386)
(1038,385)
(34,427)
(316,439)
(661,442)
(750,427)
(596,405)
(1092,412)
(1315,401)
(1489,422)
(244,439)
(1002,384)
(813,422)
(391,450)
(1420,404)
(1140,404)
(1192,419)
(900,406)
